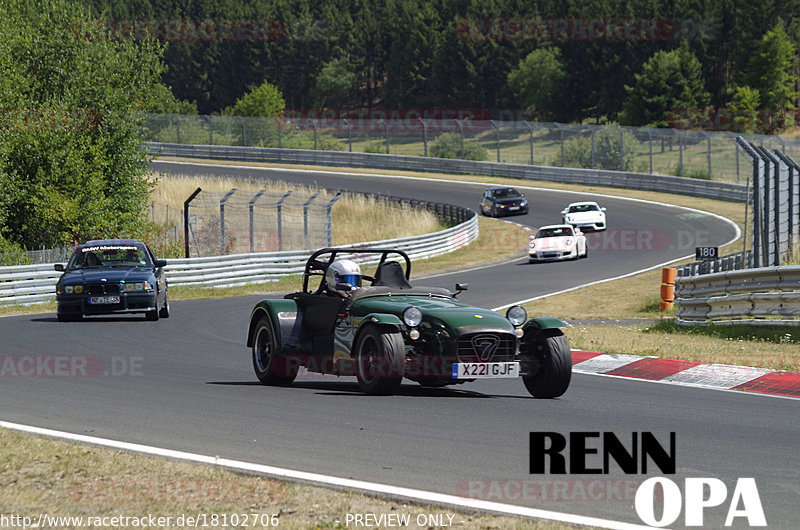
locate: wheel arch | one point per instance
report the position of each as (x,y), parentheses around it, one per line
(270,309)
(383,321)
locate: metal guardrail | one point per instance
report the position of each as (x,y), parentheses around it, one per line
(729,262)
(763,296)
(588,177)
(36,283)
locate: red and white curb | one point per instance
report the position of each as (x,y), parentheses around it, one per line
(705,375)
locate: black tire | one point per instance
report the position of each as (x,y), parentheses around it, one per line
(152,316)
(585,252)
(164,312)
(271,369)
(380,360)
(551,354)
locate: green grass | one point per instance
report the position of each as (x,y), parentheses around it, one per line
(774,335)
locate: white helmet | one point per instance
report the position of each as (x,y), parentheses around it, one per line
(343,271)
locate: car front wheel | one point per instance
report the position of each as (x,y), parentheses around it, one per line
(164,313)
(549,360)
(271,368)
(380,360)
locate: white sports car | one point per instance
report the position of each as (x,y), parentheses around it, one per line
(585,215)
(557,242)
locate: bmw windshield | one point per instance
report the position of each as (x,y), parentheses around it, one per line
(109,256)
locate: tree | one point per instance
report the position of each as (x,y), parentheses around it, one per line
(264,100)
(448,145)
(578,152)
(537,80)
(71,163)
(670,82)
(769,70)
(744,106)
(335,85)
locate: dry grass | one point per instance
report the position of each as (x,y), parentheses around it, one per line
(355,218)
(39,475)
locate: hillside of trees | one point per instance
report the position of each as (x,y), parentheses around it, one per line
(615,60)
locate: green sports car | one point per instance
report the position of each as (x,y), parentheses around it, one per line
(390,330)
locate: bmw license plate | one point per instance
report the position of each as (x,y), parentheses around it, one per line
(104,300)
(485,370)
(512,208)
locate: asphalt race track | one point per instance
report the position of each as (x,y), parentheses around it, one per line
(186,383)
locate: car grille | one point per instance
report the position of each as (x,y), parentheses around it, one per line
(486,347)
(104,288)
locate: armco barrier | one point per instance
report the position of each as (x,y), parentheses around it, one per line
(763,296)
(589,177)
(36,283)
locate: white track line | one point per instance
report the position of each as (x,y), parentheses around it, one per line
(327,480)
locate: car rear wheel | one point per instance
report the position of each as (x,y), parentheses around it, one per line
(271,368)
(550,360)
(380,360)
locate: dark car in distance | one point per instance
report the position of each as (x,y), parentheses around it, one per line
(112,276)
(503,200)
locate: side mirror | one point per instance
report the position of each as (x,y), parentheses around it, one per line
(344,287)
(603,208)
(58,267)
(160,263)
(461,287)
(564,211)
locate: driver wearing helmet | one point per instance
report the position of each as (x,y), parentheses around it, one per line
(342,271)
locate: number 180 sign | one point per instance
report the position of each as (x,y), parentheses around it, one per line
(706,253)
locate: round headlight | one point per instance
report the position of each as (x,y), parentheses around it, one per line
(516,315)
(78,289)
(569,242)
(412,316)
(68,288)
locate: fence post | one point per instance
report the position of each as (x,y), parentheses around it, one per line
(621,150)
(314,126)
(280,218)
(594,164)
(461,131)
(252,219)
(497,137)
(244,131)
(386,133)
(650,145)
(561,133)
(349,134)
(305,219)
(186,220)
(708,151)
(424,136)
(329,219)
(222,202)
(210,130)
(178,127)
(530,137)
(680,149)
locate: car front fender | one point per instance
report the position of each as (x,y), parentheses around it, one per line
(534,326)
(282,313)
(383,320)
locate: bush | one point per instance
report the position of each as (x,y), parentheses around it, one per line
(578,151)
(12,254)
(448,145)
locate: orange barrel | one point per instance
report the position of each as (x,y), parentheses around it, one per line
(667,292)
(665,306)
(668,274)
